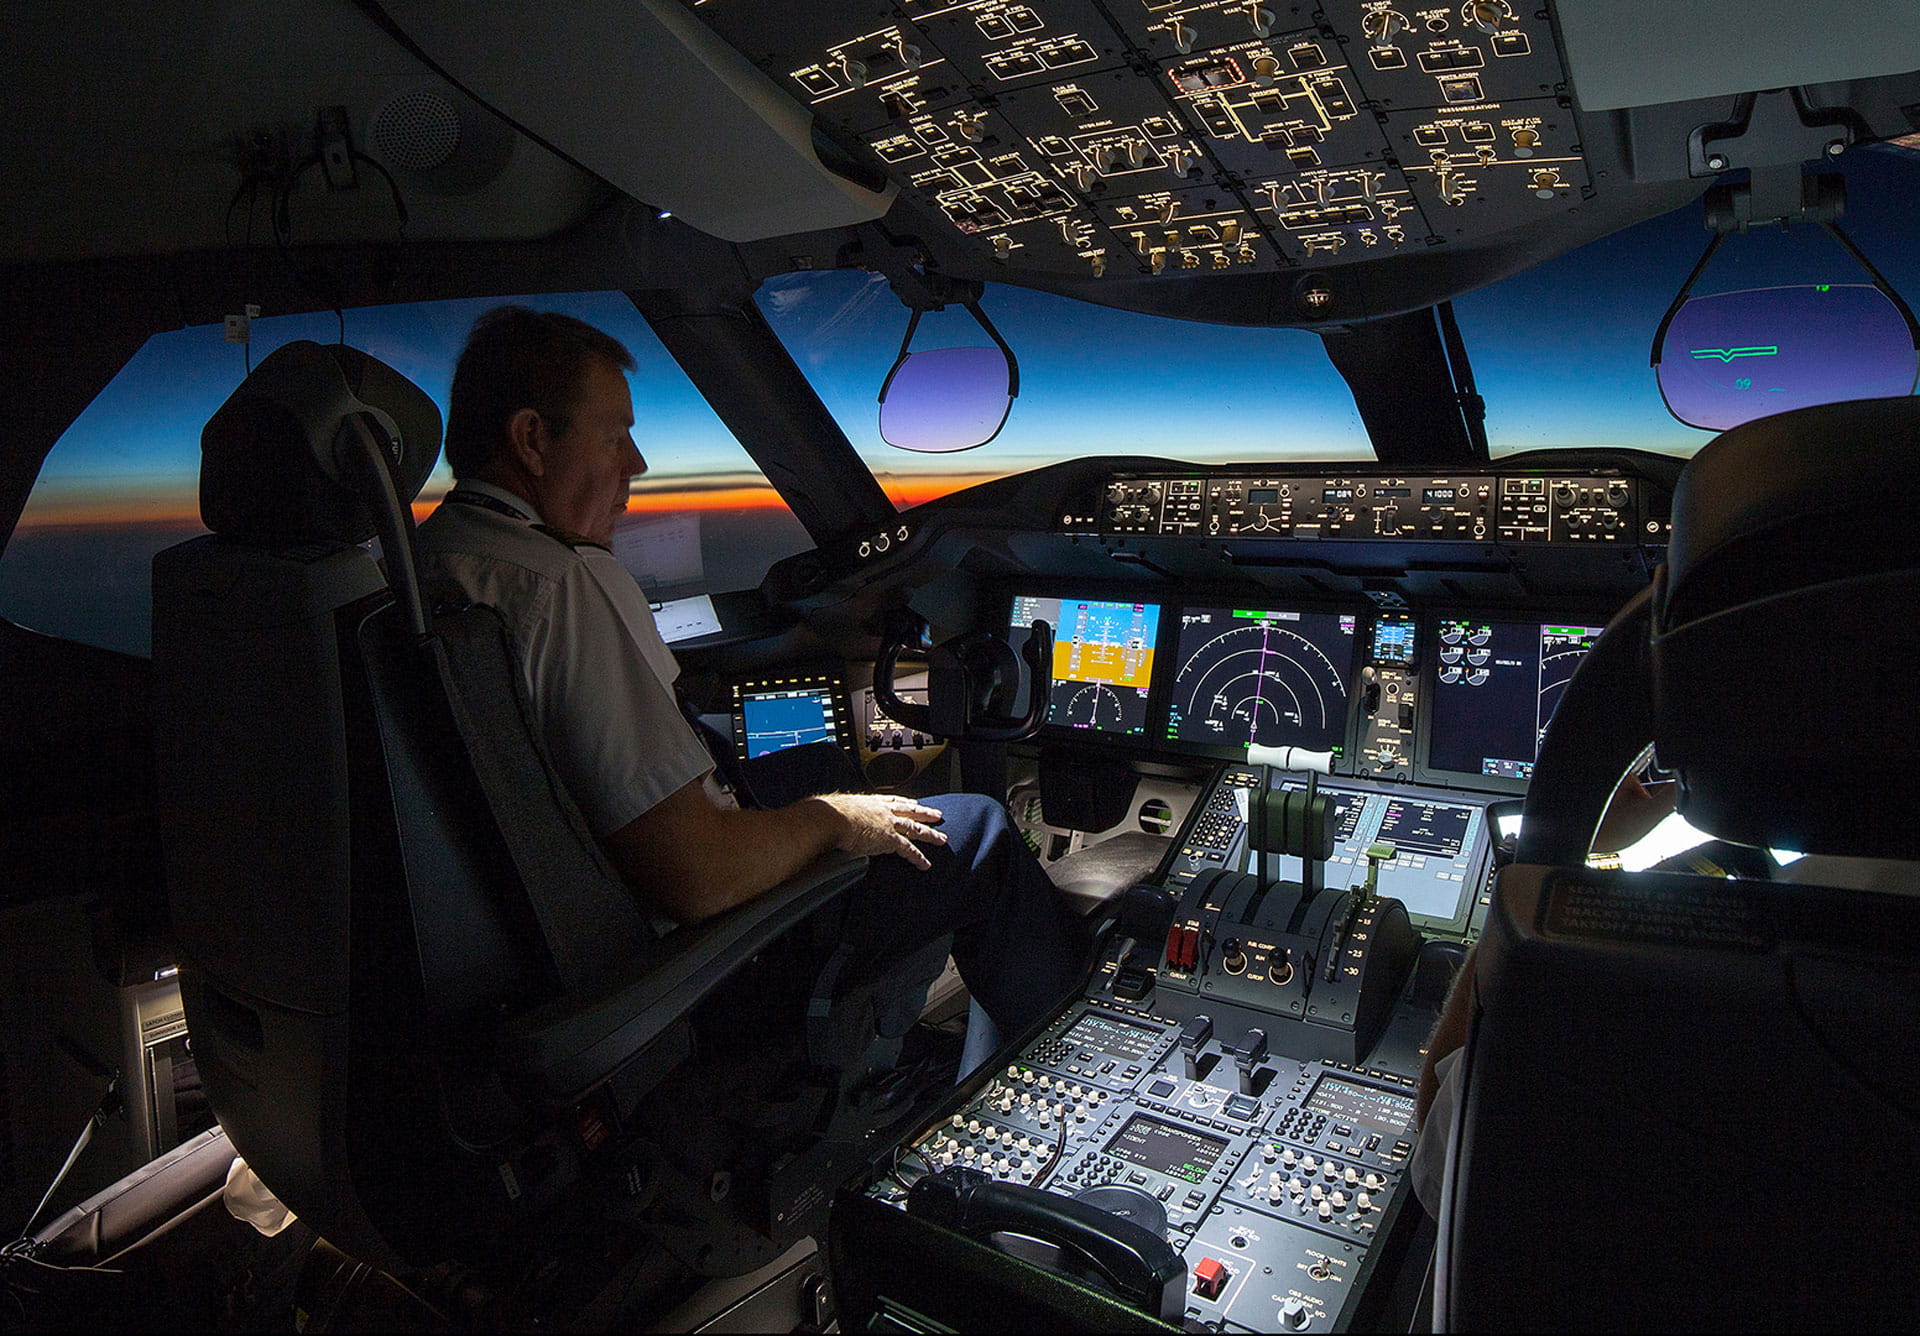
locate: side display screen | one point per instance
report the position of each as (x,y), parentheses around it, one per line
(777,720)
(1249,675)
(1497,686)
(1386,1111)
(1103,659)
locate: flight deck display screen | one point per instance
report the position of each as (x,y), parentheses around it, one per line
(1253,675)
(1103,659)
(1096,1035)
(777,720)
(1497,686)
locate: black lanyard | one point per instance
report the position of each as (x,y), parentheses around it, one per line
(460,496)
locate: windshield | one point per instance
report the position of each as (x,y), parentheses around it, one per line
(1093,381)
(1559,352)
(122,482)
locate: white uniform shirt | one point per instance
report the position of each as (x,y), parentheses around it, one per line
(591,659)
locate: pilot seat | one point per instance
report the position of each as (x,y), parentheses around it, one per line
(1692,1103)
(428,1012)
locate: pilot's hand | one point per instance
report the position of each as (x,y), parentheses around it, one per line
(886,823)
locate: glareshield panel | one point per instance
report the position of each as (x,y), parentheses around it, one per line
(1736,356)
(946,399)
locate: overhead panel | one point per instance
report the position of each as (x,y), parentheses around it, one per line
(1162,137)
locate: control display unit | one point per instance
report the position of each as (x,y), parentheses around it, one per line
(1103,659)
(773,714)
(1272,677)
(1497,684)
(1167,1148)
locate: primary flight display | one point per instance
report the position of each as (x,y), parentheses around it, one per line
(1103,658)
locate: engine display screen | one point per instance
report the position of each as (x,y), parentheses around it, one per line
(1166,1148)
(1099,1035)
(1267,676)
(1364,1105)
(1103,659)
(1496,689)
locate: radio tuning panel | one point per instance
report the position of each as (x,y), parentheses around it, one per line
(1155,137)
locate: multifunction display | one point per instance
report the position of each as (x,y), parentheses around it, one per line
(1103,659)
(1166,1148)
(1254,675)
(1498,684)
(1107,1036)
(1368,1106)
(1425,829)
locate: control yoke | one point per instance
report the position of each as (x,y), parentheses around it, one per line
(971,679)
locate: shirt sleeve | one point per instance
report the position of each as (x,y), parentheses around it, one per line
(615,732)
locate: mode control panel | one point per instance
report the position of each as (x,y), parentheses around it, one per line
(1469,508)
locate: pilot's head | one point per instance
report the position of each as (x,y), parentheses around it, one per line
(540,406)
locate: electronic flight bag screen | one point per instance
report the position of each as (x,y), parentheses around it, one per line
(1103,659)
(1497,684)
(1272,677)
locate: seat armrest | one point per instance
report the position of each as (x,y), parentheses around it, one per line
(560,1050)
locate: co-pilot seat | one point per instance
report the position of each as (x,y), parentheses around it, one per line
(426,1009)
(1693,1103)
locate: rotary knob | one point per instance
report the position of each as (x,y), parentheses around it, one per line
(1486,15)
(1382,25)
(1294,1315)
(1564,495)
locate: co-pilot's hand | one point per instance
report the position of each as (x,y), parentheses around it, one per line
(885,823)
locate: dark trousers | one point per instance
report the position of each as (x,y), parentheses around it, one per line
(1017,939)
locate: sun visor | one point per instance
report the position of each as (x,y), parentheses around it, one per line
(648,98)
(1636,53)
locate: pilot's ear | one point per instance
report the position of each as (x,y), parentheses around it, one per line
(527,439)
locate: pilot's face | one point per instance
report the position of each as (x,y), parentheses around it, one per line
(588,467)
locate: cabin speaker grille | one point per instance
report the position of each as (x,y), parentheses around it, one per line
(440,141)
(418,131)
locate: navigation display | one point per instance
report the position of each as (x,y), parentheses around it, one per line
(1251,675)
(1498,685)
(1103,657)
(776,720)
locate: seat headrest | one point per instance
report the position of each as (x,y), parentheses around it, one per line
(269,471)
(1784,636)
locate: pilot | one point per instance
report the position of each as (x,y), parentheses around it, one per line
(539,437)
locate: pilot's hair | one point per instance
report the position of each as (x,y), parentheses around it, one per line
(519,358)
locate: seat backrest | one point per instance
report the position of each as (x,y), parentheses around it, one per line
(369,861)
(1691,1102)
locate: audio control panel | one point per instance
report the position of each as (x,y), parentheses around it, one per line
(1469,508)
(1272,1176)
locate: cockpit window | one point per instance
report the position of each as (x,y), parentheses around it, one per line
(1093,381)
(1560,351)
(122,482)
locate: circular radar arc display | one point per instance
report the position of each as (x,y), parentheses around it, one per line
(1262,677)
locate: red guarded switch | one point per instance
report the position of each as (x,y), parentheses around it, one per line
(1209,1278)
(1173,947)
